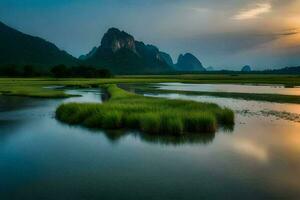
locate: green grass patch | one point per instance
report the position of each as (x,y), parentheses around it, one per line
(33,91)
(34,87)
(125,110)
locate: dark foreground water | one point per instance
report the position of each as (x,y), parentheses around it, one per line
(41,158)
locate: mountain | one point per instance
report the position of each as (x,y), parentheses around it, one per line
(122,54)
(286,70)
(22,49)
(118,52)
(167,58)
(188,62)
(90,54)
(246,68)
(210,69)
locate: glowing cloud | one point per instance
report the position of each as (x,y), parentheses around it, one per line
(252,13)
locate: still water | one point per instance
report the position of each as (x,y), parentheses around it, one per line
(41,158)
(260,89)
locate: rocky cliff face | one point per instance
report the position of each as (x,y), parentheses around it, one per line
(121,53)
(189,62)
(114,40)
(150,52)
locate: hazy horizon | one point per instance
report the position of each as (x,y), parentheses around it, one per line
(222,34)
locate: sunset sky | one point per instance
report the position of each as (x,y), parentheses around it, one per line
(221,33)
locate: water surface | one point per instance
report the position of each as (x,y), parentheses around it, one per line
(41,158)
(260,89)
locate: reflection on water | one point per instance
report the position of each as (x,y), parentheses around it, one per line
(12,103)
(260,89)
(41,158)
(115,136)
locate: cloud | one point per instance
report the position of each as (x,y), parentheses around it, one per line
(197,9)
(254,12)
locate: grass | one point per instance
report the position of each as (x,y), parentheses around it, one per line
(34,87)
(147,114)
(33,91)
(125,110)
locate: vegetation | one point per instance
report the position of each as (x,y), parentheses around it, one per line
(58,71)
(33,91)
(36,86)
(61,71)
(17,71)
(151,115)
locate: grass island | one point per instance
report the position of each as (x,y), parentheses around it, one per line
(125,110)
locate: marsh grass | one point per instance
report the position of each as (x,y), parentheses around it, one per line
(34,87)
(125,110)
(32,91)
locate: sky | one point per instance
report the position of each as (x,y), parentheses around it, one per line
(225,34)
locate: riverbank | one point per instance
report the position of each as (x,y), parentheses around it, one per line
(38,87)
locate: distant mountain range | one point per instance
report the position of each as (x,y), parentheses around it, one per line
(121,53)
(189,62)
(118,52)
(286,70)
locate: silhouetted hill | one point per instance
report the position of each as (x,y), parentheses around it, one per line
(188,62)
(22,49)
(121,53)
(246,68)
(167,58)
(118,52)
(90,54)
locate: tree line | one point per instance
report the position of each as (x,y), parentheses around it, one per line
(58,71)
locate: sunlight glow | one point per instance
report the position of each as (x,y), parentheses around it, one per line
(252,13)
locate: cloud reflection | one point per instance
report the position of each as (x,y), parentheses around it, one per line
(249,148)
